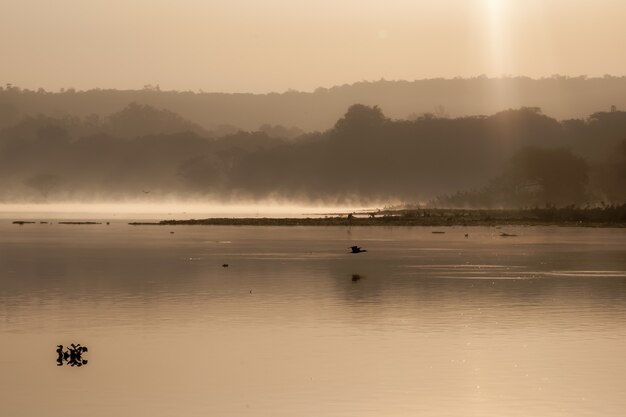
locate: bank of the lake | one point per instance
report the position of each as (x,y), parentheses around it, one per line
(612,216)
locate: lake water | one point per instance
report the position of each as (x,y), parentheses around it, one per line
(422,324)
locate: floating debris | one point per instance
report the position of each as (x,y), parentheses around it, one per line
(224,265)
(79,223)
(22,222)
(437,232)
(507,234)
(356,277)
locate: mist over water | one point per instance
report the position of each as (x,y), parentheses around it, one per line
(169,209)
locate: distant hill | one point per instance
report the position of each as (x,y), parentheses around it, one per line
(558,97)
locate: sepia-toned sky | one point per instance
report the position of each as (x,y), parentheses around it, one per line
(274,45)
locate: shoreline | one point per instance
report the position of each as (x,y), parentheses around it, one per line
(606,217)
(609,217)
(291,222)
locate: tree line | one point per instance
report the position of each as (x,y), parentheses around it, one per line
(513,158)
(560,97)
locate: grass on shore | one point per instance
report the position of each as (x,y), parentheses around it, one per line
(609,216)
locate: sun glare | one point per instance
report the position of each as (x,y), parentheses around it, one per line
(496,36)
(497,51)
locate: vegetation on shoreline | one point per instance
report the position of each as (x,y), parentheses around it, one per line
(609,216)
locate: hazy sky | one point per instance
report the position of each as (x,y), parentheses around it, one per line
(273,45)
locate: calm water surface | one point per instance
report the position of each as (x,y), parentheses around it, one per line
(434,324)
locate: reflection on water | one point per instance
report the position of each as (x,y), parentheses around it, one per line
(296,325)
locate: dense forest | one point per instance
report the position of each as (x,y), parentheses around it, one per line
(512,158)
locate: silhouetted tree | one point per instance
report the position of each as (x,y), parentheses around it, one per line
(549,176)
(359,120)
(612,175)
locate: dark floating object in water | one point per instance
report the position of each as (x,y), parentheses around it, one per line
(43,222)
(356,277)
(437,232)
(79,223)
(171,233)
(22,222)
(356,249)
(507,234)
(73,356)
(466,234)
(224,265)
(108,223)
